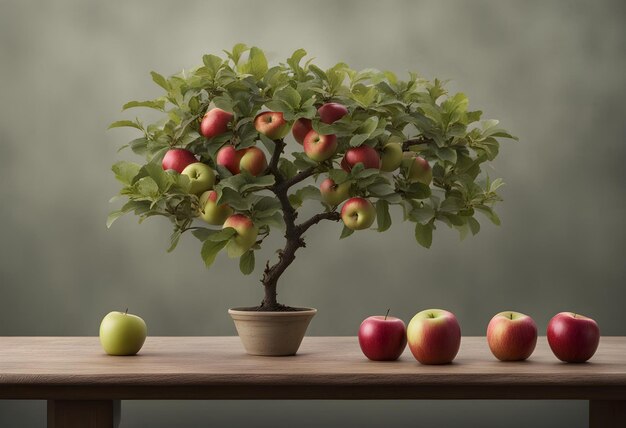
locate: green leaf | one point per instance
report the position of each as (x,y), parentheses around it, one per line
(474,225)
(163,180)
(160,80)
(212,64)
(223,235)
(289,96)
(489,213)
(147,187)
(422,215)
(358,139)
(237,51)
(156,104)
(203,233)
(287,168)
(246,263)
(383,218)
(125,123)
(294,61)
(125,171)
(346,232)
(256,65)
(210,249)
(114,215)
(174,240)
(369,125)
(424,234)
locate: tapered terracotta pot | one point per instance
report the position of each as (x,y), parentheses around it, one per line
(271,333)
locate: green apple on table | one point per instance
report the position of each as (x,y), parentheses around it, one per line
(122,333)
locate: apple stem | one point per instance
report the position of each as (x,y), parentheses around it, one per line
(387,314)
(126,311)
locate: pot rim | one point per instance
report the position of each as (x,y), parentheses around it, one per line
(243,312)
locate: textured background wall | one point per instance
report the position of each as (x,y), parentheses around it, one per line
(553,72)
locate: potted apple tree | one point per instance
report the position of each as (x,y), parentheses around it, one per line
(241,146)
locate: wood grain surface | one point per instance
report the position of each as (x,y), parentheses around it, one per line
(325,368)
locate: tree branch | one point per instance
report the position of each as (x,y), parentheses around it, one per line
(272,167)
(330,215)
(420,139)
(302,175)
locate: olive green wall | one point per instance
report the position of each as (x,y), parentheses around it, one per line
(553,72)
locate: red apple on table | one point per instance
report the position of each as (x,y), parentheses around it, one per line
(417,169)
(572,337)
(382,338)
(319,147)
(212,213)
(363,154)
(178,160)
(272,124)
(332,112)
(215,122)
(511,336)
(251,159)
(334,194)
(358,213)
(434,336)
(201,177)
(245,237)
(300,128)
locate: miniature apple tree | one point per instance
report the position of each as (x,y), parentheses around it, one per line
(217,163)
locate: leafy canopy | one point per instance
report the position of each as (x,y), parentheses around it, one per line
(438,126)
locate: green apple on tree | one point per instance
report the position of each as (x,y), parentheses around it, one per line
(391,156)
(210,211)
(245,237)
(334,194)
(122,333)
(417,169)
(201,177)
(358,213)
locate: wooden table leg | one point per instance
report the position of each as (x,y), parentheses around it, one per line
(84,413)
(607,413)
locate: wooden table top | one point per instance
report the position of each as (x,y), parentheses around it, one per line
(325,368)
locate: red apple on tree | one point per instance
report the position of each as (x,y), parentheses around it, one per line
(215,122)
(272,124)
(572,337)
(201,177)
(434,336)
(229,157)
(363,154)
(245,237)
(334,194)
(511,336)
(212,213)
(382,338)
(319,147)
(251,159)
(300,128)
(358,213)
(178,159)
(332,112)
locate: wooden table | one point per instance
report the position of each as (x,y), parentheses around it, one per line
(83,386)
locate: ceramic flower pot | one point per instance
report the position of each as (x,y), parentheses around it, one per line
(271,333)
